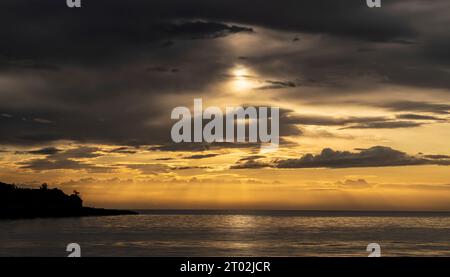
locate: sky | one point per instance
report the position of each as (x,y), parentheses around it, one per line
(364,94)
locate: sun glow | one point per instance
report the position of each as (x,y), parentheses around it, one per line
(241,79)
(240,72)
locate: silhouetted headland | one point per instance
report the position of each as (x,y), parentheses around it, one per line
(16,202)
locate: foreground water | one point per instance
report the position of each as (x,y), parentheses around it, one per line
(212,233)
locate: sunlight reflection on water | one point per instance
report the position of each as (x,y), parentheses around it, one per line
(227,235)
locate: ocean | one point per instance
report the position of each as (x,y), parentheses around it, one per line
(231,234)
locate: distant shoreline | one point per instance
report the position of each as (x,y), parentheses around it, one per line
(323,213)
(23,203)
(84,212)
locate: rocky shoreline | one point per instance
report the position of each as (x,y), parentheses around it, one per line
(21,203)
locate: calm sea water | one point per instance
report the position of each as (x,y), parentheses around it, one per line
(184,233)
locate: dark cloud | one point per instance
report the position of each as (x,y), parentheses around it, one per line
(377,156)
(437,108)
(277,85)
(437,157)
(101,73)
(351,63)
(104,24)
(200,156)
(250,164)
(339,18)
(67,159)
(103,124)
(419,117)
(82,152)
(285,129)
(96,69)
(202,29)
(163,159)
(162,69)
(53,164)
(95,32)
(12,64)
(123,150)
(385,125)
(199,147)
(378,122)
(436,49)
(45,151)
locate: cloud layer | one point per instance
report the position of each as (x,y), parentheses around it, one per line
(376,156)
(109,76)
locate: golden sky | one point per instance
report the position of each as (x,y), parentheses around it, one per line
(364,119)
